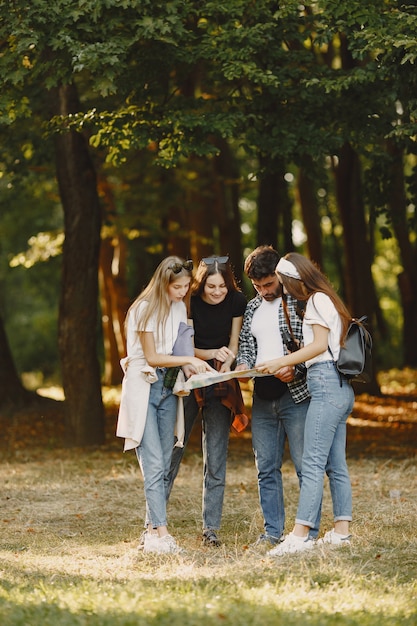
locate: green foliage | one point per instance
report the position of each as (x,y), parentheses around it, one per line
(182,71)
(254,57)
(29,302)
(162,83)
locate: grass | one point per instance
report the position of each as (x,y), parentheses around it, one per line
(71,519)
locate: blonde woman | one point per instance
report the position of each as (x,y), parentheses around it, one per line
(148,409)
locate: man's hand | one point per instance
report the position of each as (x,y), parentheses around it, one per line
(240,368)
(286,374)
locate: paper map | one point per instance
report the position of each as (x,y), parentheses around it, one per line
(207,378)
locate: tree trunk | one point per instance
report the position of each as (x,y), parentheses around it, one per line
(274,208)
(14,398)
(114,304)
(407,280)
(114,299)
(12,392)
(310,214)
(209,215)
(226,205)
(360,289)
(78,314)
(188,229)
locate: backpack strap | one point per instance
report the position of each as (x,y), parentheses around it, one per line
(335,365)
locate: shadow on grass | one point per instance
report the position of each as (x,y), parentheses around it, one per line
(63,600)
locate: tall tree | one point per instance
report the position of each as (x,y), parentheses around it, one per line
(79,294)
(307,191)
(180,78)
(14,397)
(378,48)
(31,60)
(274,206)
(12,392)
(114,299)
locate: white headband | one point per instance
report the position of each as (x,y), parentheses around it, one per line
(287,268)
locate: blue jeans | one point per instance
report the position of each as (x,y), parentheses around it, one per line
(325,444)
(273,421)
(216,419)
(190,414)
(155,449)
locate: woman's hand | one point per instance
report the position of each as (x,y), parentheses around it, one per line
(188,370)
(198,366)
(271,367)
(223,354)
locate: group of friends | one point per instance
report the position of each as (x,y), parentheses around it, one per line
(290,333)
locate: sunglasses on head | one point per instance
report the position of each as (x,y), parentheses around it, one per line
(177,267)
(221,260)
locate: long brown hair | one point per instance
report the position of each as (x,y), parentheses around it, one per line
(312,280)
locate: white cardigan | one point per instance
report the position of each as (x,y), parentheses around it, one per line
(136,384)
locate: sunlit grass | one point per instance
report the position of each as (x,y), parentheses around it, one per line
(71,519)
(70,527)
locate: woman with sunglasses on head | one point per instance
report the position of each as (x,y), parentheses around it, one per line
(325,323)
(148,407)
(216,313)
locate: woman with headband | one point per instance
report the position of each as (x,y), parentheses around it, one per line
(325,323)
(148,407)
(216,312)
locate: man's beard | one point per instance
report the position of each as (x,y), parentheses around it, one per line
(272,296)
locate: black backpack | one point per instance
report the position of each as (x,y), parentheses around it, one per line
(355,357)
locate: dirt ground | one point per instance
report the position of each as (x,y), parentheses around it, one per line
(383,426)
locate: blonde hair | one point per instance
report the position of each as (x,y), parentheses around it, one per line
(156,293)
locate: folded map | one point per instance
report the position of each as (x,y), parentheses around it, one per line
(208,378)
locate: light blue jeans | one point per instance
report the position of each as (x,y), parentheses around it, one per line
(191,411)
(325,444)
(216,419)
(273,421)
(155,449)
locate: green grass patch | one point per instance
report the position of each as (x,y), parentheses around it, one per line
(71,520)
(69,534)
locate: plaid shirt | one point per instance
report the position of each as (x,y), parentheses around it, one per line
(248,348)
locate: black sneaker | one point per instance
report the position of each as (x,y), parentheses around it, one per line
(210,539)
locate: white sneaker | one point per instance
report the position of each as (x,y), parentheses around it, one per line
(150,542)
(266,540)
(142,540)
(168,544)
(335,539)
(291,544)
(161,545)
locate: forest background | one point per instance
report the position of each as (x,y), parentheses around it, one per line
(135,129)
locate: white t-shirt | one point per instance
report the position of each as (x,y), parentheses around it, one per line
(164,339)
(265,329)
(320,310)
